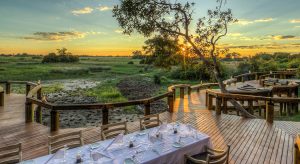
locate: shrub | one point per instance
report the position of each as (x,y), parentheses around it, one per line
(157,79)
(130,62)
(99,68)
(62,57)
(76,71)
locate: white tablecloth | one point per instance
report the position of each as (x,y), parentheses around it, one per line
(161,151)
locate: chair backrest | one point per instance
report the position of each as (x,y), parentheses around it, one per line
(11,154)
(149,121)
(112,130)
(297,150)
(220,158)
(71,140)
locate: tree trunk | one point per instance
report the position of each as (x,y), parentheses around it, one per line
(237,106)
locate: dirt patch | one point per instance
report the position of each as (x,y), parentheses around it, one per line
(140,88)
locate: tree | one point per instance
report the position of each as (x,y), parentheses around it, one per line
(162,52)
(174,19)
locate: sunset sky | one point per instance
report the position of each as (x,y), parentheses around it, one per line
(86,27)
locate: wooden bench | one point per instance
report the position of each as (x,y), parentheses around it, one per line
(297,150)
(1,96)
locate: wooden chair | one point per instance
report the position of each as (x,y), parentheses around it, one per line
(11,154)
(112,130)
(71,140)
(149,121)
(297,150)
(210,156)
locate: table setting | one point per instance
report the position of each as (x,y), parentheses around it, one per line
(166,143)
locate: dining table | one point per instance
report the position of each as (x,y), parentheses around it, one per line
(165,144)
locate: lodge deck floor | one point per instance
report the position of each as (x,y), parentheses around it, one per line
(251,140)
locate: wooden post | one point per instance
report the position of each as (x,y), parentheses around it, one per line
(171,103)
(38,117)
(29,112)
(7,88)
(189,90)
(28,87)
(210,102)
(206,98)
(218,105)
(147,108)
(225,110)
(297,150)
(270,112)
(256,76)
(174,93)
(250,104)
(181,92)
(1,98)
(54,120)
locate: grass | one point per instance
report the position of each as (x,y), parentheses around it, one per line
(107,92)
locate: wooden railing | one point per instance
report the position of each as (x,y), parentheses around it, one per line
(219,102)
(262,75)
(35,102)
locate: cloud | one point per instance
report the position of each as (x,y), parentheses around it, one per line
(284,37)
(104,8)
(235,34)
(295,21)
(86,10)
(247,22)
(59,36)
(119,31)
(264,46)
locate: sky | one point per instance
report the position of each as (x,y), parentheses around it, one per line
(86,27)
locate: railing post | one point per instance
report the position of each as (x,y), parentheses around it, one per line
(28,87)
(1,98)
(189,90)
(29,112)
(270,112)
(218,105)
(174,93)
(105,115)
(210,102)
(39,108)
(54,120)
(147,108)
(250,104)
(171,103)
(206,98)
(225,110)
(181,92)
(7,88)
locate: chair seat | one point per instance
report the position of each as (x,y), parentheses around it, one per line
(201,156)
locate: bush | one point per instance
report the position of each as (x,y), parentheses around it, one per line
(99,68)
(74,71)
(131,62)
(62,57)
(193,72)
(157,79)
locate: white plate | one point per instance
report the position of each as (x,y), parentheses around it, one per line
(129,161)
(177,145)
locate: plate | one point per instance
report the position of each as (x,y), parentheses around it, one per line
(129,161)
(141,133)
(95,145)
(27,162)
(177,145)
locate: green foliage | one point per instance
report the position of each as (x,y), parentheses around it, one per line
(157,79)
(138,55)
(99,68)
(53,88)
(105,93)
(162,52)
(73,71)
(62,56)
(130,62)
(193,72)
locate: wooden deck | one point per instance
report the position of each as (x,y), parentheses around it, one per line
(252,140)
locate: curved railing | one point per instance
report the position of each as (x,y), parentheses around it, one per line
(34,99)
